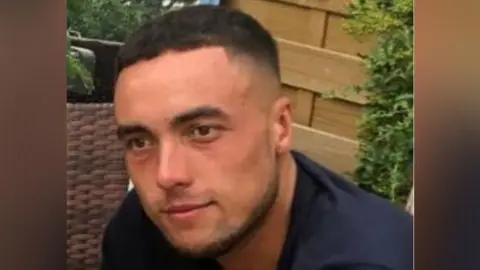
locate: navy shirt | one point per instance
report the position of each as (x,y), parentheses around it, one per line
(334,225)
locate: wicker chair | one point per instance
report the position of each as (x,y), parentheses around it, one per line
(96,180)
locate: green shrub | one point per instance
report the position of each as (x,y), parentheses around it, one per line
(106,19)
(76,71)
(386,130)
(113,19)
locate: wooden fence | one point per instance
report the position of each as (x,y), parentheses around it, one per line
(317,58)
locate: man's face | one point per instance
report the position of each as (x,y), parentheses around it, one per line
(201,146)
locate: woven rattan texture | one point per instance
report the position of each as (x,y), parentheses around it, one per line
(96,180)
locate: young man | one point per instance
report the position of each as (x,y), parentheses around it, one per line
(208,140)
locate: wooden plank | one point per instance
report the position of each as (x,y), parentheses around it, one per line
(337,116)
(337,39)
(321,70)
(336,6)
(286,21)
(302,104)
(334,152)
(291,93)
(304,109)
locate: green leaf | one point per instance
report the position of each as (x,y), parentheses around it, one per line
(76,70)
(386,129)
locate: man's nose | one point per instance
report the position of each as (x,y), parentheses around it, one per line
(172,166)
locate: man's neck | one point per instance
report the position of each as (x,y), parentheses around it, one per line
(264,248)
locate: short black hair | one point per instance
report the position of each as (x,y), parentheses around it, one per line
(200,26)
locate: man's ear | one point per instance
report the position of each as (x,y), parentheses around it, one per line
(282,113)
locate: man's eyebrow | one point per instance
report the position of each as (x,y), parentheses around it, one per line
(198,112)
(125,130)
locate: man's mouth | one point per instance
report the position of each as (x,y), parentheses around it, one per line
(186,211)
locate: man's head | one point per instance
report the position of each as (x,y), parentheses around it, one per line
(199,110)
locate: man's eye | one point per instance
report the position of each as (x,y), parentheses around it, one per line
(138,144)
(204,133)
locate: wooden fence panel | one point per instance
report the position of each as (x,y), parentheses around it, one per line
(333,6)
(287,21)
(337,39)
(337,117)
(318,59)
(320,70)
(336,153)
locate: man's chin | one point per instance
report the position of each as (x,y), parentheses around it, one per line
(197,251)
(189,243)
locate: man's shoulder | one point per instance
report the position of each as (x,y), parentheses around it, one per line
(351,225)
(335,195)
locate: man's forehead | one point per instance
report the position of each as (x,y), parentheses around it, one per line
(209,68)
(178,81)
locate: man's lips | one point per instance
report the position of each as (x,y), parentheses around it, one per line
(184,208)
(186,212)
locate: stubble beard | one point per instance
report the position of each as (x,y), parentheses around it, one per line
(225,243)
